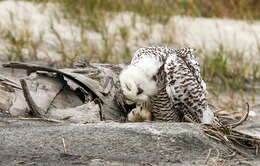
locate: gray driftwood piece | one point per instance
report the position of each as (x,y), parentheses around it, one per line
(60,94)
(78,95)
(179,144)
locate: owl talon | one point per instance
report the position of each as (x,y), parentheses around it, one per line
(139,114)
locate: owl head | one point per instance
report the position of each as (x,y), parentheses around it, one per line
(138,81)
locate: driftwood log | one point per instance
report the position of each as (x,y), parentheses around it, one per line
(85,95)
(82,95)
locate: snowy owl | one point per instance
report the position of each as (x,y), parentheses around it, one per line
(166,85)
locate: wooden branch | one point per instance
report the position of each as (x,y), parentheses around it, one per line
(36,111)
(33,68)
(9,82)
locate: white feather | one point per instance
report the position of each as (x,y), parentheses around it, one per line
(208,116)
(137,76)
(149,65)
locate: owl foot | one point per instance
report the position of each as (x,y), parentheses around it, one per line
(139,114)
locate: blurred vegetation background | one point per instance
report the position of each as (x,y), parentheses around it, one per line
(162,10)
(223,67)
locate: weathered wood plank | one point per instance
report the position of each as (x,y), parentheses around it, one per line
(67,93)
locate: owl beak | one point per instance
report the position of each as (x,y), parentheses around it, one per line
(139,91)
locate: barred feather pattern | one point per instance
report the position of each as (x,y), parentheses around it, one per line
(181,90)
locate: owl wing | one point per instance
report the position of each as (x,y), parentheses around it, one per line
(184,84)
(156,53)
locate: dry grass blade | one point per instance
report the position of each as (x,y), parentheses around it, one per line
(64,145)
(227,135)
(39,119)
(208,155)
(221,136)
(243,119)
(213,137)
(256,149)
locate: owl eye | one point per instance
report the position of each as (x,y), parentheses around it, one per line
(139,91)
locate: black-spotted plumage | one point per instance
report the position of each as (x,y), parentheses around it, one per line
(181,90)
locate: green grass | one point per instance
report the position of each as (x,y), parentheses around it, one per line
(226,69)
(161,10)
(90,12)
